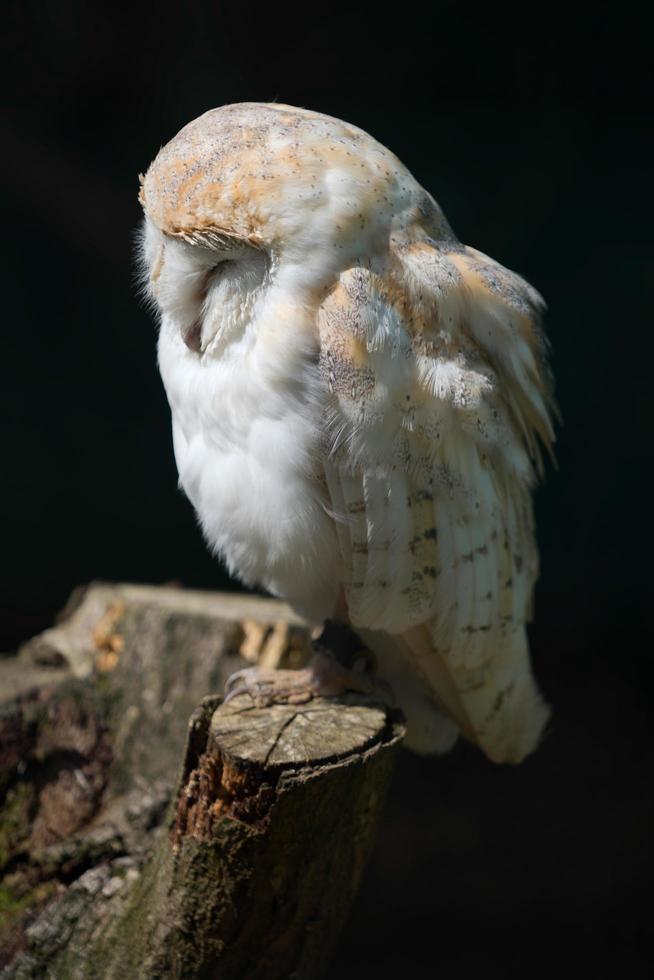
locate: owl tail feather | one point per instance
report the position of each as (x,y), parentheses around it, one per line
(502,711)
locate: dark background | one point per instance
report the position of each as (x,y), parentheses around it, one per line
(532,132)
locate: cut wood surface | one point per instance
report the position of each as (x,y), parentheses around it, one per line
(137,843)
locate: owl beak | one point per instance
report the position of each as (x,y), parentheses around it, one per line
(193,337)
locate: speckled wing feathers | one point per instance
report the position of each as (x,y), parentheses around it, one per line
(434,366)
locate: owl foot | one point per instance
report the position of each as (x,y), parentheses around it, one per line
(324,677)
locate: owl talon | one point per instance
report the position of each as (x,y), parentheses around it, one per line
(324,677)
(232,680)
(233,692)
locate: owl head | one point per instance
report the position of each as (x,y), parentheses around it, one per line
(253,195)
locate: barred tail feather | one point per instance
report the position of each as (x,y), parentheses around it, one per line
(505,718)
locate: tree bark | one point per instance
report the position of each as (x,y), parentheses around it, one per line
(249,866)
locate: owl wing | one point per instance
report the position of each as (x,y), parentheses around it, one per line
(438,395)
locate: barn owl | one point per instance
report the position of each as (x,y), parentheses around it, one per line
(358,403)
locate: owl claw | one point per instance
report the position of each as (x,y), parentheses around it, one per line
(324,677)
(265,688)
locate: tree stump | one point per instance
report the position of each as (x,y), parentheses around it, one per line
(249,866)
